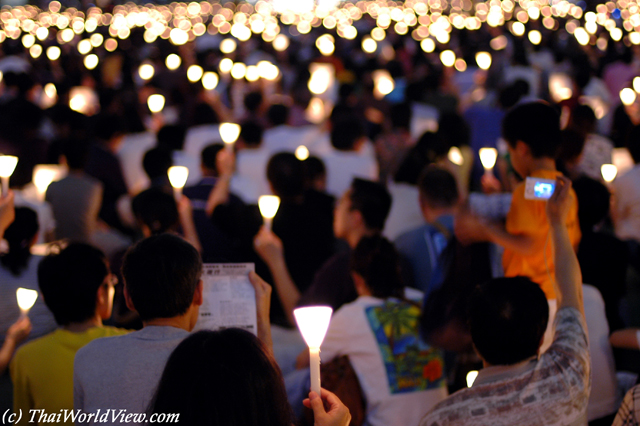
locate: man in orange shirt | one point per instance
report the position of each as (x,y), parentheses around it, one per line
(532,133)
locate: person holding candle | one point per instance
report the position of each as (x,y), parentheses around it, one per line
(361,211)
(18,269)
(401,376)
(238,385)
(532,133)
(78,289)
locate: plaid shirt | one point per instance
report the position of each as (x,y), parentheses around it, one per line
(629,412)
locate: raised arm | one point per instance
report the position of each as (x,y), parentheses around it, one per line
(269,248)
(225,161)
(568,276)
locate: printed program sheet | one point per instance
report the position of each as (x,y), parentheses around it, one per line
(229,298)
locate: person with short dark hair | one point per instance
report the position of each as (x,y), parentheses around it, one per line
(351,156)
(78,288)
(75,199)
(533,148)
(422,247)
(230,378)
(104,165)
(508,316)
(163,285)
(156,163)
(212,191)
(303,222)
(361,211)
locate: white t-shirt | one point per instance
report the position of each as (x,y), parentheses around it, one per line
(627,192)
(401,377)
(343,166)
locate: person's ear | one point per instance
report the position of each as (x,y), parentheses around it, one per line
(360,284)
(522,149)
(197,295)
(128,301)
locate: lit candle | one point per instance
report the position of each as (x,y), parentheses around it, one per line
(313,323)
(155,103)
(229,133)
(43,175)
(7,166)
(26,299)
(488,157)
(178,177)
(268,205)
(609,172)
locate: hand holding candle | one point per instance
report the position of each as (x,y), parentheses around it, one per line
(178,177)
(26,299)
(7,166)
(313,323)
(268,208)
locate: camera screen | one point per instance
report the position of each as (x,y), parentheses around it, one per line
(543,189)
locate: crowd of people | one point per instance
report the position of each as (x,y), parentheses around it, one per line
(434,265)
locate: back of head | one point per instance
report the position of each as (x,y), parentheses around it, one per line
(571,146)
(251,134)
(156,162)
(314,169)
(278,114)
(536,124)
(431,148)
(508,318)
(401,116)
(157,210)
(438,187)
(76,153)
(171,137)
(253,101)
(376,260)
(69,281)
(593,199)
(223,378)
(286,175)
(633,144)
(583,119)
(346,132)
(454,130)
(161,274)
(204,114)
(19,235)
(208,156)
(372,200)
(106,126)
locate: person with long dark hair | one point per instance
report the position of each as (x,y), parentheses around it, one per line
(230,378)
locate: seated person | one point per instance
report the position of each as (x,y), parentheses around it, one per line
(156,163)
(163,285)
(361,211)
(422,247)
(603,257)
(239,385)
(348,160)
(210,192)
(304,223)
(401,377)
(77,287)
(508,318)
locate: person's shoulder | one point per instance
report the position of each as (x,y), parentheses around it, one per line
(450,411)
(35,348)
(410,236)
(106,346)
